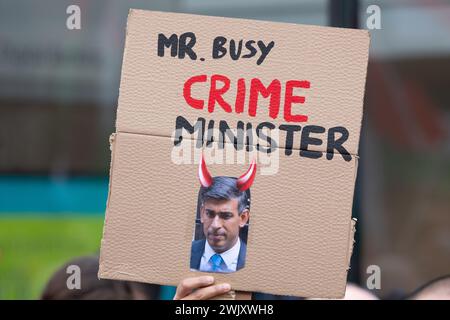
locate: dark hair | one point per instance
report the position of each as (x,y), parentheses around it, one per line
(93,288)
(436,286)
(224,188)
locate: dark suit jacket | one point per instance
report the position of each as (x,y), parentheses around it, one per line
(198,247)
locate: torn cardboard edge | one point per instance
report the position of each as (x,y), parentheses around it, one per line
(352,241)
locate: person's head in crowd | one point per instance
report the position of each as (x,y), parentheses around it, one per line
(93,288)
(437,289)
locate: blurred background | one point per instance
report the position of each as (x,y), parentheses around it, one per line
(58,99)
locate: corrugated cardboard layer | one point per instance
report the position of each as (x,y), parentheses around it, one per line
(151,214)
(333,60)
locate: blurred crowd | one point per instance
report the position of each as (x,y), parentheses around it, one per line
(93,288)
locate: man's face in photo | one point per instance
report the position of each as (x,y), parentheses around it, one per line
(222,222)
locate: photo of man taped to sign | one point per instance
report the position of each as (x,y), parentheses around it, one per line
(224,207)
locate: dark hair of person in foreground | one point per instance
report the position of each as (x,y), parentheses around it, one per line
(93,288)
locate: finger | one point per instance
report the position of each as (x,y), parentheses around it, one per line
(208,292)
(187,285)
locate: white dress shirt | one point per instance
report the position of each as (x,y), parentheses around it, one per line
(230,257)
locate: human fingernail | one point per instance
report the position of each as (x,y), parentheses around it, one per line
(225,286)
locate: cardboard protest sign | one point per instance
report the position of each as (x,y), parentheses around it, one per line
(235,154)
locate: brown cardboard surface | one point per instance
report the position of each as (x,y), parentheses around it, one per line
(334,61)
(298,241)
(301,233)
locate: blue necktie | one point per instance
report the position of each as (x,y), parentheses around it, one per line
(216,261)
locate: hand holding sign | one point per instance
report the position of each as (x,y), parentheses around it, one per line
(200,288)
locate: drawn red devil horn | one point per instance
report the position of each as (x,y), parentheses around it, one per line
(203,173)
(245,181)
